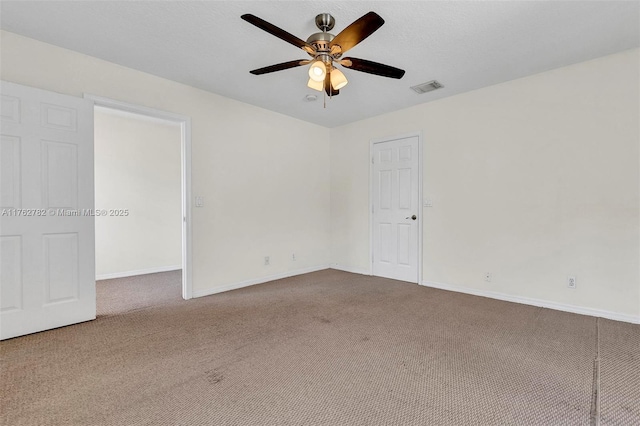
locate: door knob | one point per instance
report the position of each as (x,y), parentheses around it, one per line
(414,217)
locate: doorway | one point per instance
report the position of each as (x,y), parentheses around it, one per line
(160,245)
(396,214)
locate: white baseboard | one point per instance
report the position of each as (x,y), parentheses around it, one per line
(137,272)
(247,283)
(536,302)
(350,269)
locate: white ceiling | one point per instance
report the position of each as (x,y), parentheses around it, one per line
(464,45)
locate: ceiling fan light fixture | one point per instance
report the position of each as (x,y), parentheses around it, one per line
(317,71)
(338,80)
(326,49)
(315,85)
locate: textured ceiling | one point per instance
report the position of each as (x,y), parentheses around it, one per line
(464,45)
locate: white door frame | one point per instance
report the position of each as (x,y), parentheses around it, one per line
(185,132)
(420,213)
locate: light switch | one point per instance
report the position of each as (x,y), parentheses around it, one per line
(427,202)
(199,201)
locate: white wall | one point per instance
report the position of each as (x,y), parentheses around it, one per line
(264,176)
(138,169)
(532,180)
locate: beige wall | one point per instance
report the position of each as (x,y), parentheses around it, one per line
(137,168)
(264,176)
(532,180)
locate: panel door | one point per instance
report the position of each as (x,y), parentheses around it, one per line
(395,207)
(47,260)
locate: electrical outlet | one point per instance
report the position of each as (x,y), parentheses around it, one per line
(571,282)
(293,257)
(487,277)
(266,261)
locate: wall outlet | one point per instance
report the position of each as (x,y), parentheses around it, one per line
(293,257)
(571,282)
(266,261)
(487,277)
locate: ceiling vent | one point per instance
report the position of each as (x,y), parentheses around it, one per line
(426,87)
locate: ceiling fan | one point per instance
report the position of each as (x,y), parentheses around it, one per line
(326,50)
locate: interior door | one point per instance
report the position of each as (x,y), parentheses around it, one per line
(47,260)
(395,208)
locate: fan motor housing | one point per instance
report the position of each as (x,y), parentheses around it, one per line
(320,41)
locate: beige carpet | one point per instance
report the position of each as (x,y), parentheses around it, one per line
(619,373)
(327,348)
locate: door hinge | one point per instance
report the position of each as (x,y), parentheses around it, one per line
(372,161)
(371,208)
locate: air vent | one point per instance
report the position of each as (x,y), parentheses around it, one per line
(426,87)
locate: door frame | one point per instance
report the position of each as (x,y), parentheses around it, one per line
(420,213)
(185,149)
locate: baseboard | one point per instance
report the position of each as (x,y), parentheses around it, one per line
(137,272)
(536,302)
(350,269)
(261,280)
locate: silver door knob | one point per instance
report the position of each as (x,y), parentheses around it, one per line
(414,217)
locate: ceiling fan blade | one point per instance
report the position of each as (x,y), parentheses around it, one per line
(278,32)
(356,32)
(279,67)
(327,86)
(371,67)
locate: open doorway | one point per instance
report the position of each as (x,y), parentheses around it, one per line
(142,169)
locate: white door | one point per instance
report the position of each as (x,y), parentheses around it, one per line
(395,208)
(47,260)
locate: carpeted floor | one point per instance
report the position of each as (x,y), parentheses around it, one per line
(327,348)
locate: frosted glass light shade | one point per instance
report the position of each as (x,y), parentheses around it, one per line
(338,80)
(316,85)
(317,71)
